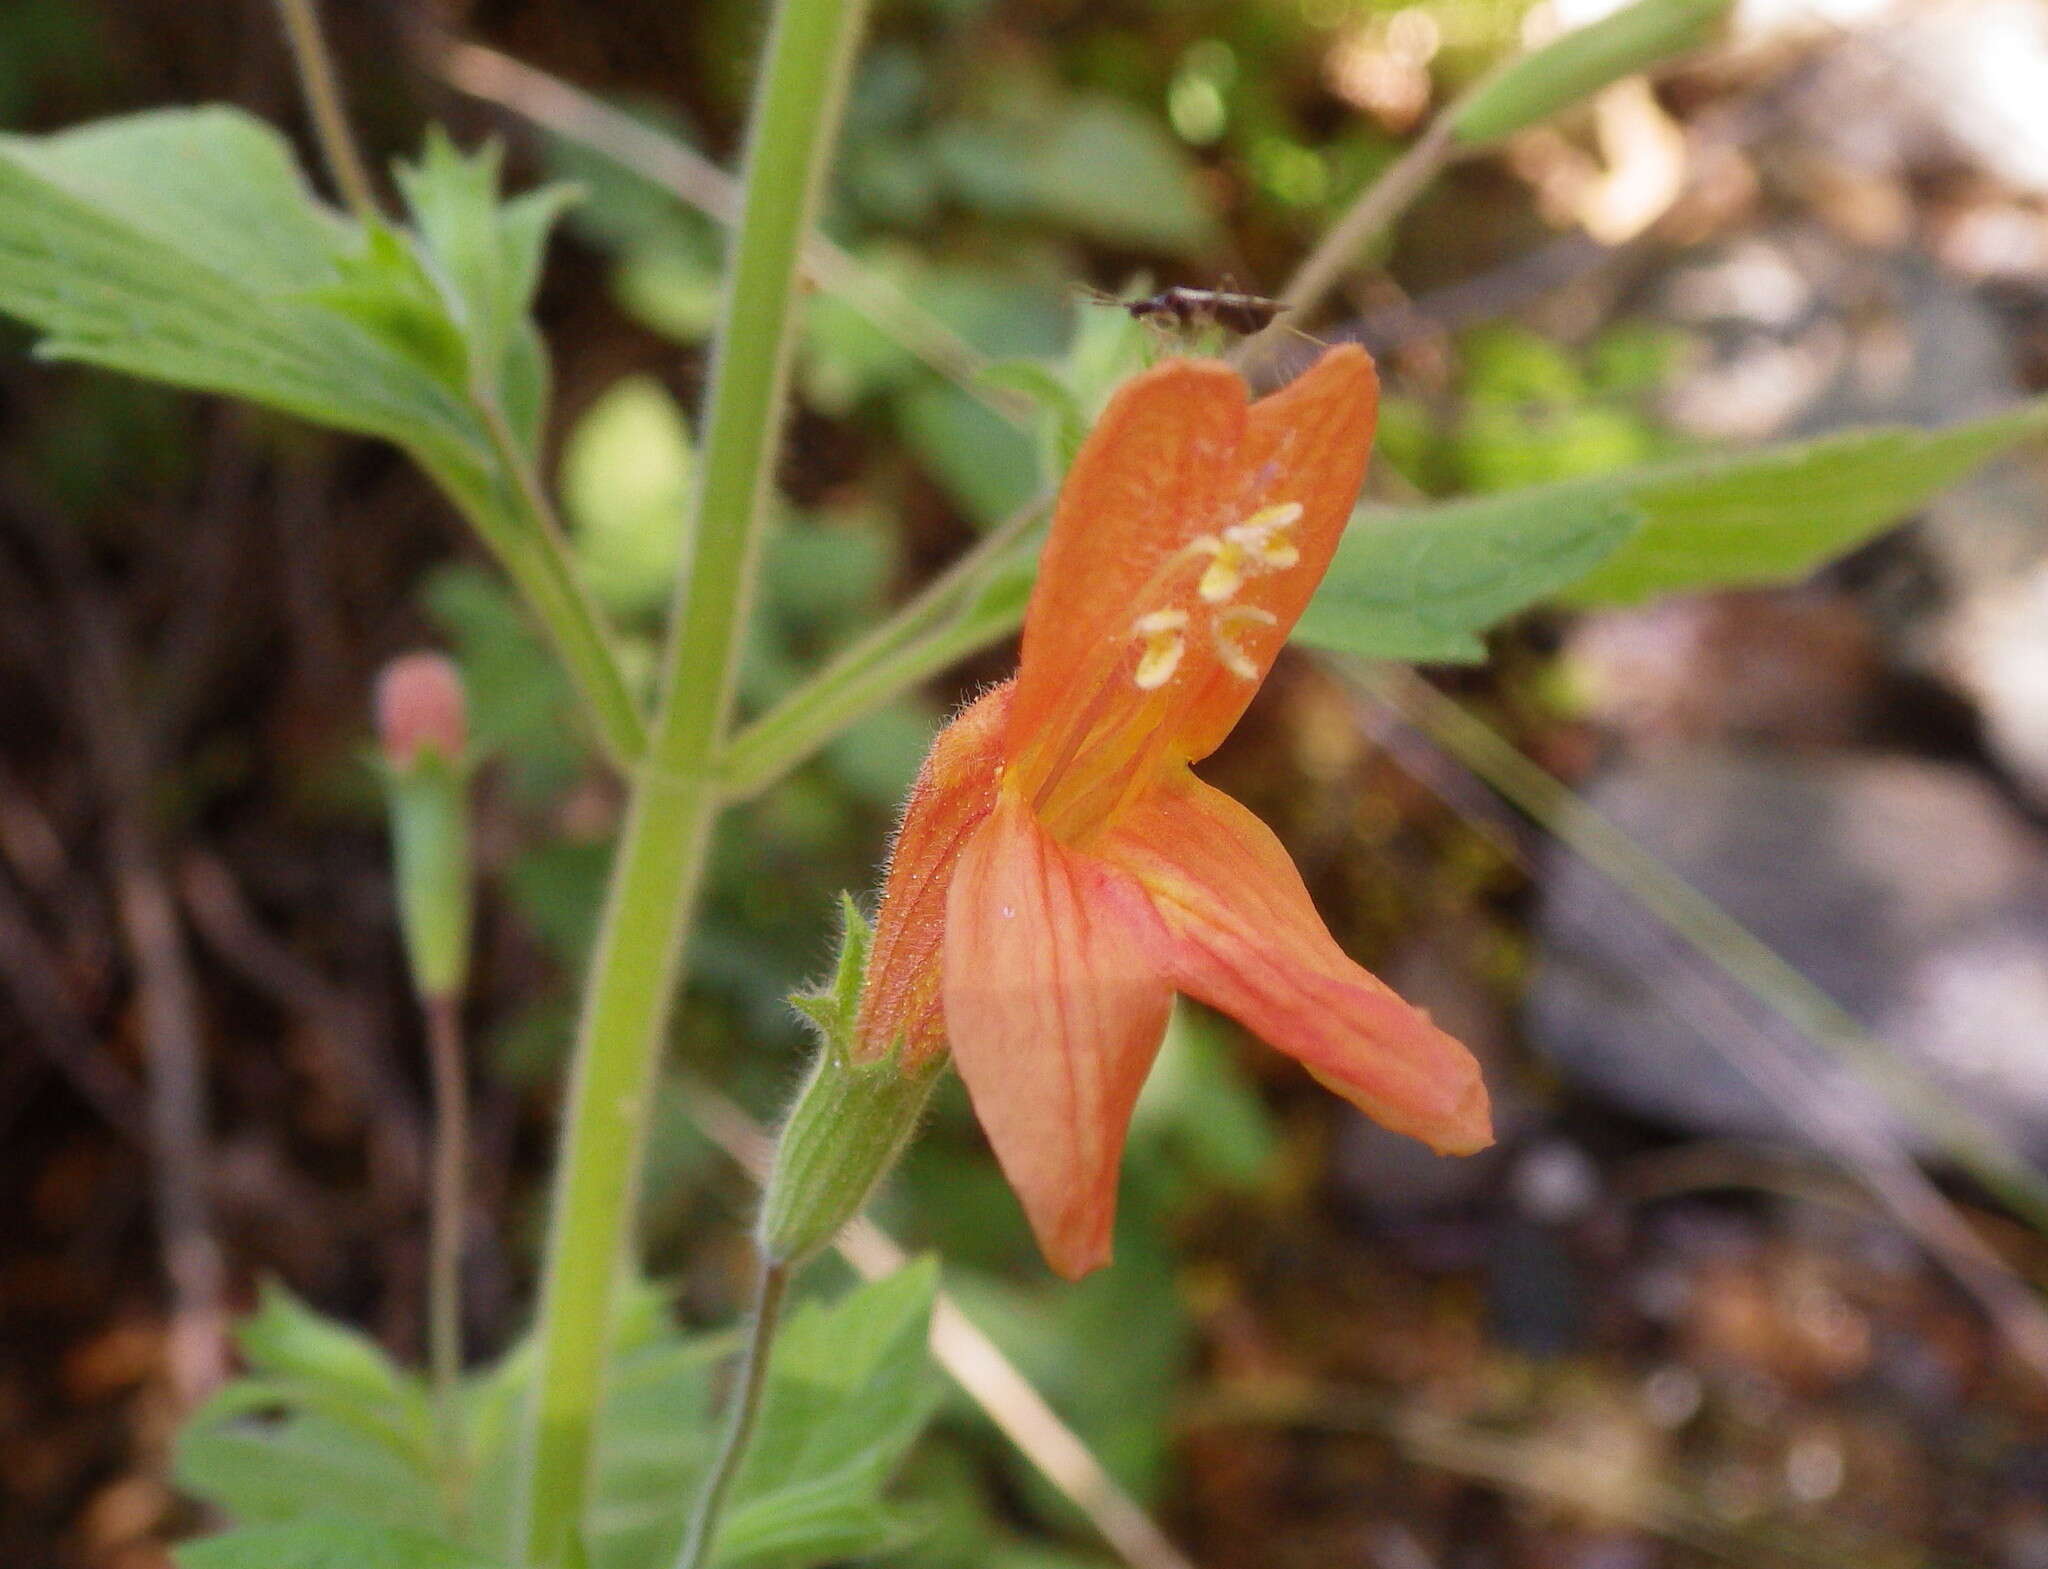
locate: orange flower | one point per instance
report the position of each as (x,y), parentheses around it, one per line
(1060,873)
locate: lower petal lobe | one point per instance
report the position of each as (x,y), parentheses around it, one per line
(1056,1010)
(955,791)
(1238,931)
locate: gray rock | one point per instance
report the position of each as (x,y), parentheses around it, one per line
(1801,334)
(1996,649)
(1909,891)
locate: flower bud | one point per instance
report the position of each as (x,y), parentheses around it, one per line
(420,704)
(422,733)
(851,1121)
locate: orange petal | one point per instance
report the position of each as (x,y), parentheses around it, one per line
(954,792)
(1055,1014)
(1307,443)
(1148,479)
(1242,935)
(1189,536)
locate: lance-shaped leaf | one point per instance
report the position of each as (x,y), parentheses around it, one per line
(1575,65)
(1421,583)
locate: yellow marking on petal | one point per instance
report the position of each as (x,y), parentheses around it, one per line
(1165,644)
(1223,633)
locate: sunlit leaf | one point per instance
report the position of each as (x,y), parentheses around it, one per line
(627,468)
(1577,64)
(1773,515)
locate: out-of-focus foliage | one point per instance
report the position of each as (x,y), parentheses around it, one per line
(326,1444)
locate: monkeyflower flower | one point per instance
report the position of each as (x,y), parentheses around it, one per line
(1060,872)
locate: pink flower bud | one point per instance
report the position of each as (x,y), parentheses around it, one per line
(420,705)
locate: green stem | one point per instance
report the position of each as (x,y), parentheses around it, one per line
(1368,217)
(919,640)
(769,1292)
(324,104)
(446,1208)
(660,860)
(536,554)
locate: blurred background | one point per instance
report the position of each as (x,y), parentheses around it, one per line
(1675,1318)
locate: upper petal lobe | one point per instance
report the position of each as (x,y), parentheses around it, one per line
(1148,479)
(1306,444)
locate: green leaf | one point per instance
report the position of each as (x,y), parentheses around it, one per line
(485,253)
(325,1418)
(320,1365)
(385,289)
(210,182)
(1120,1396)
(262,1471)
(1092,163)
(327,1542)
(989,466)
(1773,515)
(1577,64)
(284,1338)
(1421,583)
(1062,425)
(849,1389)
(1200,1101)
(182,246)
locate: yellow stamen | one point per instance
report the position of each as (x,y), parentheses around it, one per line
(1252,548)
(1164,645)
(1224,575)
(1223,633)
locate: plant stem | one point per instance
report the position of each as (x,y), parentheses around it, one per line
(769,1291)
(447,1207)
(324,104)
(921,638)
(536,553)
(1377,206)
(660,860)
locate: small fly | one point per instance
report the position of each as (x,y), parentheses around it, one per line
(1181,309)
(1186,308)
